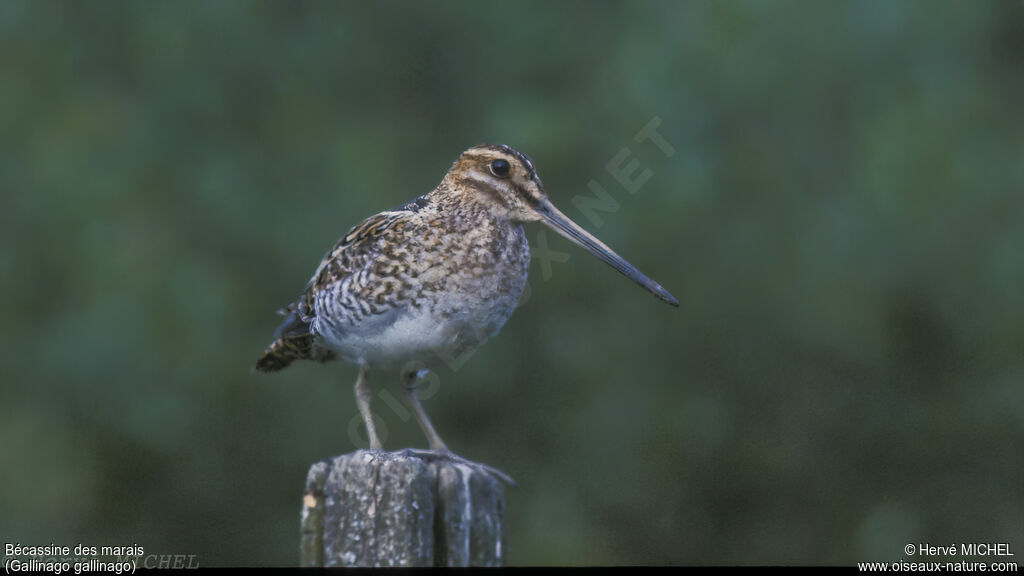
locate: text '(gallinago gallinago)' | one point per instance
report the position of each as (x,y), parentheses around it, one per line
(430,279)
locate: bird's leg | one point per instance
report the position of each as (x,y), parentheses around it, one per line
(409,382)
(363,394)
(438,449)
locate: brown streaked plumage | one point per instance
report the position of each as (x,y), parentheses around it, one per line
(431,279)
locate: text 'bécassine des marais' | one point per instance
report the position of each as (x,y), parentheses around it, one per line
(79,550)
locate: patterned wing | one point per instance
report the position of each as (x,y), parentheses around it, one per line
(349,255)
(294,340)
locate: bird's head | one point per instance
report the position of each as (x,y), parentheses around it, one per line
(500,178)
(504,181)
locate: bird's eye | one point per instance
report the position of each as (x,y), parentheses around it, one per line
(500,168)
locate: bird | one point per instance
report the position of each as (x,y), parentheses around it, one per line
(430,279)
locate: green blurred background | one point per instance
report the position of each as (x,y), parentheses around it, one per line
(842,222)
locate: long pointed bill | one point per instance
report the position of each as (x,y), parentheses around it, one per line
(560,223)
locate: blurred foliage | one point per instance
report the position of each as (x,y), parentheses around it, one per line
(843,221)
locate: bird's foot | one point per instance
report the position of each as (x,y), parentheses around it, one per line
(449,456)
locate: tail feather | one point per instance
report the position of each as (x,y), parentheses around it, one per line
(283,352)
(292,341)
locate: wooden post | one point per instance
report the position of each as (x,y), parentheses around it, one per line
(409,508)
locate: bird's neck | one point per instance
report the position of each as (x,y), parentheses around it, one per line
(464,211)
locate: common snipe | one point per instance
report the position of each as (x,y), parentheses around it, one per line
(429,279)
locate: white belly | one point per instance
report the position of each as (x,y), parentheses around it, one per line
(399,339)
